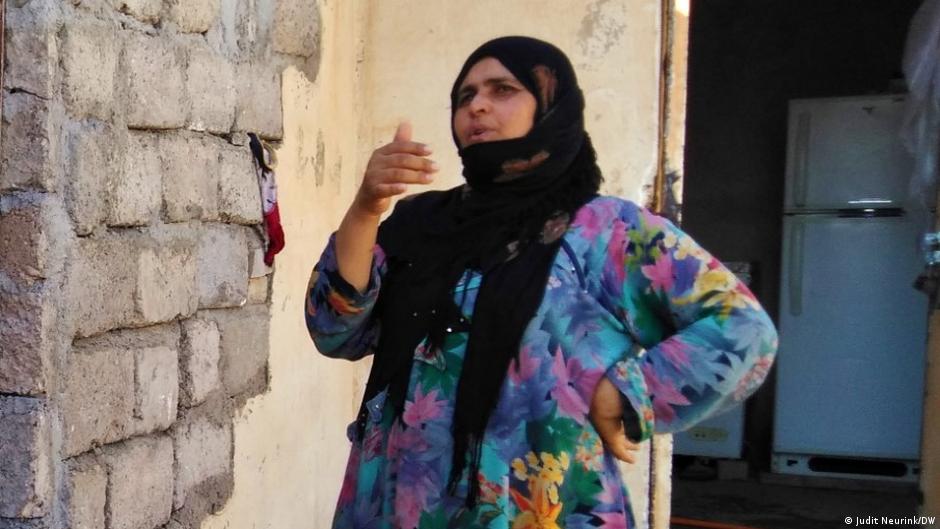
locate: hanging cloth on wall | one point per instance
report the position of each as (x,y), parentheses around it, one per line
(265,161)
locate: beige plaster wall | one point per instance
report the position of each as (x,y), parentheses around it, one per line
(382,62)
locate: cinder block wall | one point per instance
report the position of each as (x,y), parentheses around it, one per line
(134,303)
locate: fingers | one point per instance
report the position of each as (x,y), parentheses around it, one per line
(403,133)
(612,433)
(389,190)
(405,147)
(402,176)
(408,161)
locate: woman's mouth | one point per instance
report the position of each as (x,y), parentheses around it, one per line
(479,135)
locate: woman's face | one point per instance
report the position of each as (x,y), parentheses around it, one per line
(492,105)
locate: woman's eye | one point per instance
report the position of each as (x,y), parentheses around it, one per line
(505,89)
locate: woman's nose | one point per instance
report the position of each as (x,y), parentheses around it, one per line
(479,103)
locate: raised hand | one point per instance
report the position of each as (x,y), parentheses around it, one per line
(391,168)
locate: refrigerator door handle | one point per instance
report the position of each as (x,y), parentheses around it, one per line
(795,278)
(802,159)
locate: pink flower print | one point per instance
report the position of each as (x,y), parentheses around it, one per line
(613,520)
(660,273)
(664,393)
(408,507)
(570,402)
(674,352)
(348,492)
(424,408)
(592,222)
(525,368)
(401,439)
(616,250)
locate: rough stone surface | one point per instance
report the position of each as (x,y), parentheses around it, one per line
(257,268)
(33,44)
(135,191)
(25,459)
(190,177)
(157,391)
(143,10)
(203,450)
(155,89)
(29,143)
(199,361)
(94,157)
(222,266)
(244,347)
(296,27)
(85,493)
(97,402)
(239,196)
(23,242)
(210,83)
(258,289)
(102,282)
(259,100)
(193,16)
(25,325)
(140,487)
(166,280)
(90,50)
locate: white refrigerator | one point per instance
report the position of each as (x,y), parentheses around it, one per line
(851,363)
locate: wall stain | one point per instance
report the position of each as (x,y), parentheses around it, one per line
(601,28)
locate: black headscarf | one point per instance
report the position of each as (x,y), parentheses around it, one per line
(506,222)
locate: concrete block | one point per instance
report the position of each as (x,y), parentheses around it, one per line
(102,282)
(135,192)
(143,10)
(210,83)
(259,100)
(31,53)
(27,316)
(296,27)
(28,143)
(244,346)
(157,388)
(153,69)
(258,288)
(193,16)
(85,493)
(94,156)
(166,281)
(203,449)
(90,50)
(190,177)
(140,487)
(222,273)
(97,396)
(25,458)
(256,266)
(199,361)
(239,195)
(23,241)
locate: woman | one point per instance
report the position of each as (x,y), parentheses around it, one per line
(523,326)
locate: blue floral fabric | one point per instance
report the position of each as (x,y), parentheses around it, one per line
(630,297)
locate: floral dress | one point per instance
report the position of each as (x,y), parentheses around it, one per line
(630,297)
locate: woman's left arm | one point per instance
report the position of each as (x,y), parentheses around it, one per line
(708,342)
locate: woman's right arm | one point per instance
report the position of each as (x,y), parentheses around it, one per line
(345,282)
